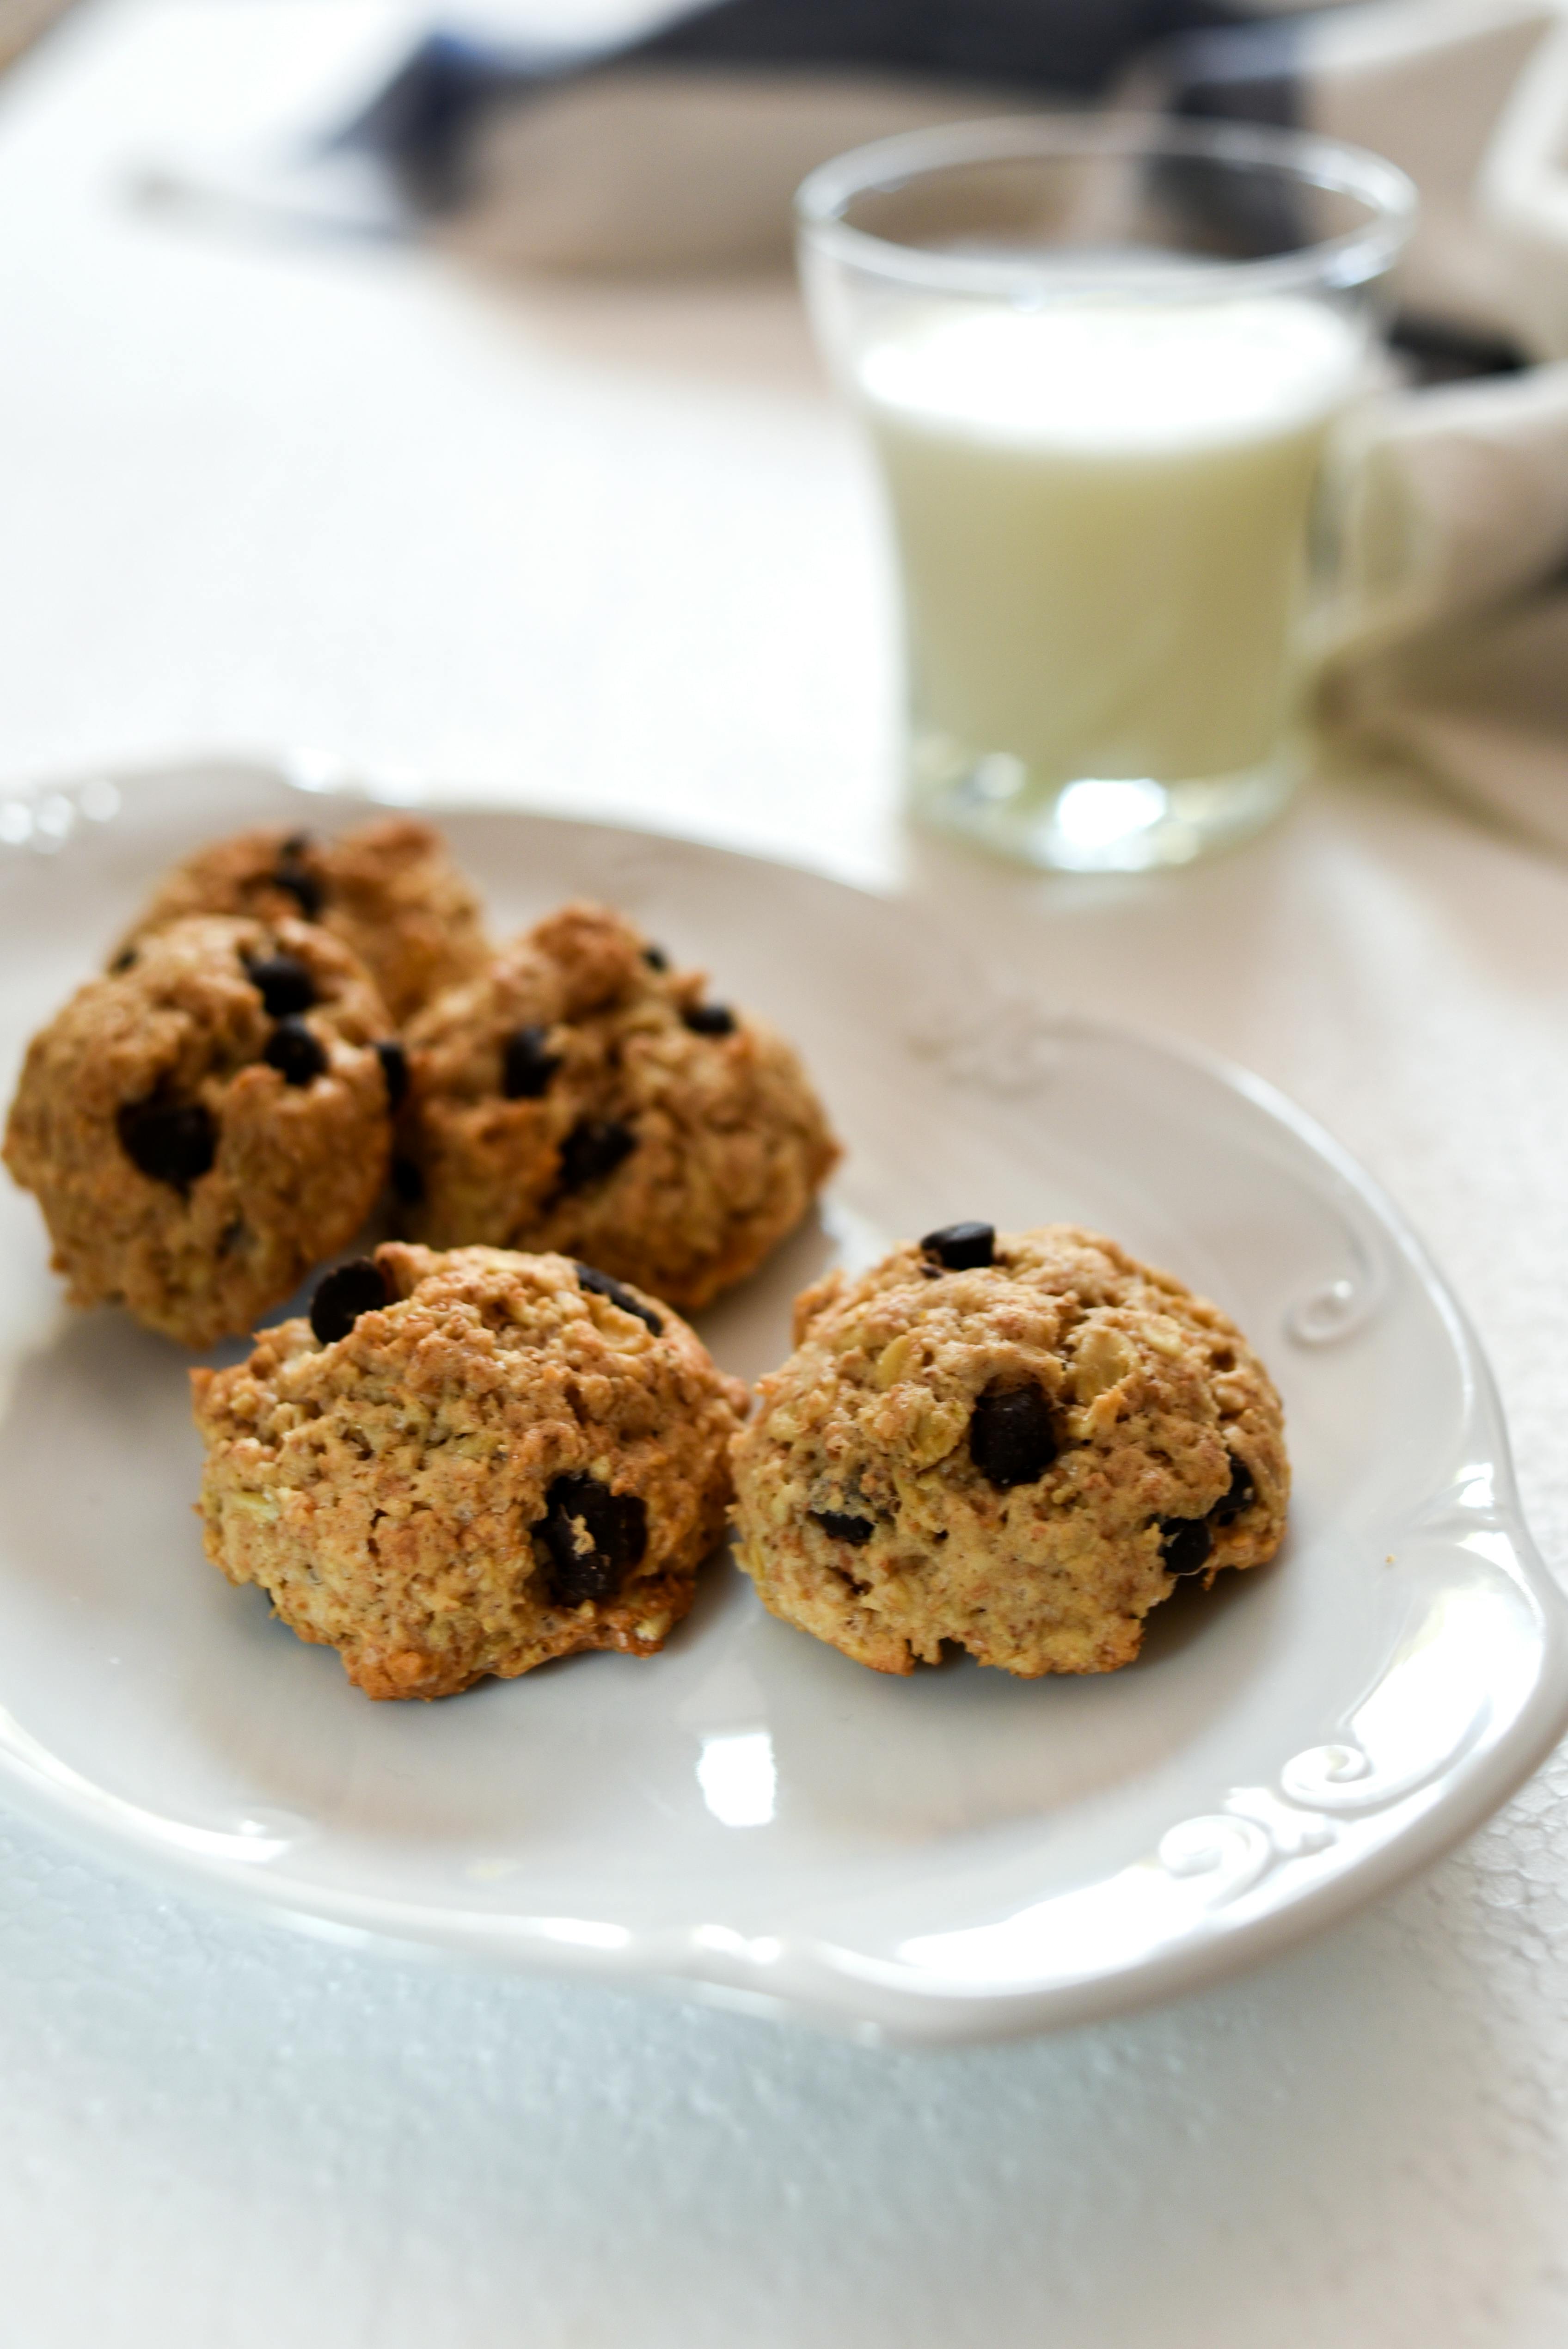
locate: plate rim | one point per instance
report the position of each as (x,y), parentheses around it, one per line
(805,1978)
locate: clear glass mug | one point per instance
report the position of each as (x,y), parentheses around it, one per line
(1106,364)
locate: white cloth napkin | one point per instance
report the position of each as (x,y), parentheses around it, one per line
(1459,546)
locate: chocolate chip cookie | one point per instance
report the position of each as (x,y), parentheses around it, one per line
(389,890)
(582,1095)
(206,1122)
(1016,1444)
(469,1463)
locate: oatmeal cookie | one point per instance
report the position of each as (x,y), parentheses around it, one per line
(207,1122)
(582,1096)
(388,890)
(468,1464)
(1016,1443)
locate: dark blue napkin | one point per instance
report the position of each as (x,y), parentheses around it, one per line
(423,120)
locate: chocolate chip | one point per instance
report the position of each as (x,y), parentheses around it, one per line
(1239,1499)
(1012,1435)
(171,1142)
(962,1247)
(1184,1545)
(394,1062)
(594,1148)
(591,1539)
(856,1531)
(295,1052)
(709,1018)
(306,889)
(356,1287)
(284,984)
(655,957)
(408,1181)
(589,1277)
(526,1065)
(123,960)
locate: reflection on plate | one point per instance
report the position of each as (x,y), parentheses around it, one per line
(750,1816)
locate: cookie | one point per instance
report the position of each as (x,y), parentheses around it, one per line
(1015,1443)
(388,890)
(582,1096)
(206,1124)
(468,1464)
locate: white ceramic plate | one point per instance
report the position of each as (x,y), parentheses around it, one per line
(751,1817)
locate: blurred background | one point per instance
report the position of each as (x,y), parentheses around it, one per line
(21,20)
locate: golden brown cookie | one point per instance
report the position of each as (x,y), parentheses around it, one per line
(582,1096)
(482,1461)
(207,1122)
(1014,1443)
(389,890)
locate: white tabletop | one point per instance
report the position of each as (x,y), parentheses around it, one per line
(612,549)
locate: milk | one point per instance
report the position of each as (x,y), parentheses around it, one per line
(1101,509)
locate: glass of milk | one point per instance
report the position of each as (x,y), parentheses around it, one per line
(1105,365)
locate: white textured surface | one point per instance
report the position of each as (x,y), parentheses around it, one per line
(611,550)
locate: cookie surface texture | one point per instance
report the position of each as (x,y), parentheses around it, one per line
(1020,1458)
(496,1465)
(582,1096)
(389,890)
(194,1151)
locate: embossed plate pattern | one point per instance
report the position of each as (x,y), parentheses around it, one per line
(751,1816)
